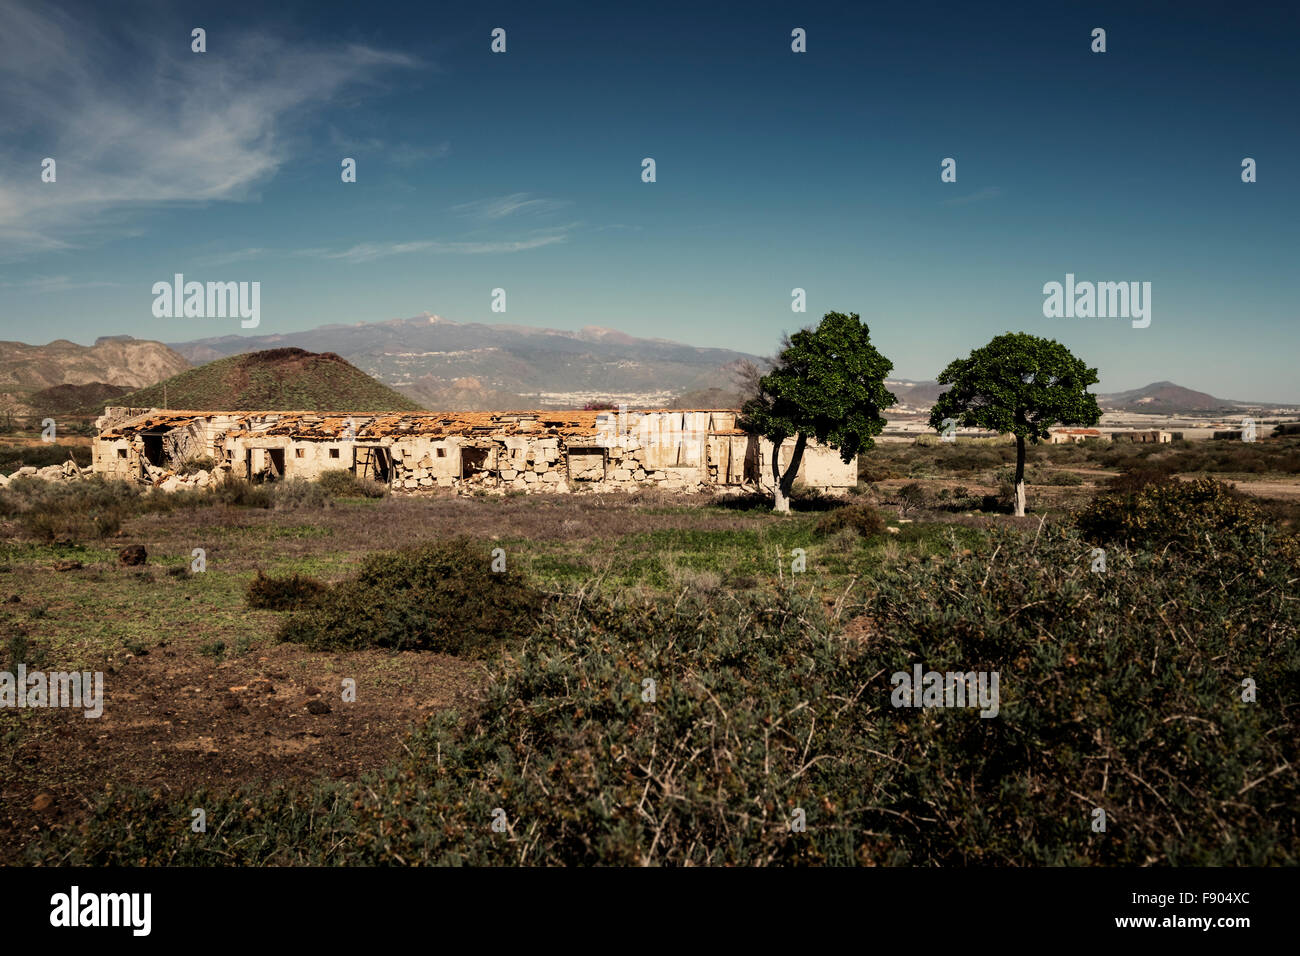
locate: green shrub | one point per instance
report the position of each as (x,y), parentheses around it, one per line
(441,597)
(74,510)
(911,496)
(241,493)
(1037,475)
(1120,690)
(288,593)
(860,518)
(297,493)
(1142,472)
(20,650)
(13,457)
(1172,512)
(873,471)
(46,525)
(341,483)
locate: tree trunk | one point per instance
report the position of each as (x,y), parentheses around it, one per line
(1020,476)
(783,483)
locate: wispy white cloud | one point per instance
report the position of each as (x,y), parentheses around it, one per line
(370,251)
(500,207)
(236,255)
(149,123)
(398,154)
(988,192)
(42,284)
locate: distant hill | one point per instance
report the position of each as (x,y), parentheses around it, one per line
(462,394)
(76,399)
(26,370)
(912,396)
(273,380)
(1164,398)
(708,398)
(1158,398)
(424,357)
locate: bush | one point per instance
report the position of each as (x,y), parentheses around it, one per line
(440,597)
(241,493)
(872,471)
(1120,690)
(910,497)
(1037,475)
(1177,513)
(296,493)
(341,483)
(74,510)
(860,518)
(287,593)
(1140,474)
(42,455)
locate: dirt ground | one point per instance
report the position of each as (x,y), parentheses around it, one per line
(174,720)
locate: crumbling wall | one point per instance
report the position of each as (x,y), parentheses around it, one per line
(115,458)
(677,450)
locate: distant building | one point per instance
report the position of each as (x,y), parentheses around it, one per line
(1066,436)
(1153,437)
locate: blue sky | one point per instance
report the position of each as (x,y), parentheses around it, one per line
(775,170)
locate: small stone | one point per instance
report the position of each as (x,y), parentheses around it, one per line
(318,707)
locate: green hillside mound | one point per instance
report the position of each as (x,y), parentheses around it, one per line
(273,380)
(76,399)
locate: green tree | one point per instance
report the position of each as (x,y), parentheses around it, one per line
(1019,384)
(827,384)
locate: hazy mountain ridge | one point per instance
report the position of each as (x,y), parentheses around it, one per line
(426,355)
(441,364)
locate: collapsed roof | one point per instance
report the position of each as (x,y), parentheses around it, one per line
(327,426)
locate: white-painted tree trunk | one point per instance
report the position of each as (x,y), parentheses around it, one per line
(782,483)
(1020,477)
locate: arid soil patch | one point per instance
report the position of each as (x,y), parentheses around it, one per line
(174,721)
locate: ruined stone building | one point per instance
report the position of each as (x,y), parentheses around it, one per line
(546,451)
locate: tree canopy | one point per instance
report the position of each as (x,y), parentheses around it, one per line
(828,384)
(1018,384)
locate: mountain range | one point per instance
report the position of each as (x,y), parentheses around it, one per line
(446,365)
(63,376)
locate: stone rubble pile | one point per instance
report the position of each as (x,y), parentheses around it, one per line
(64,472)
